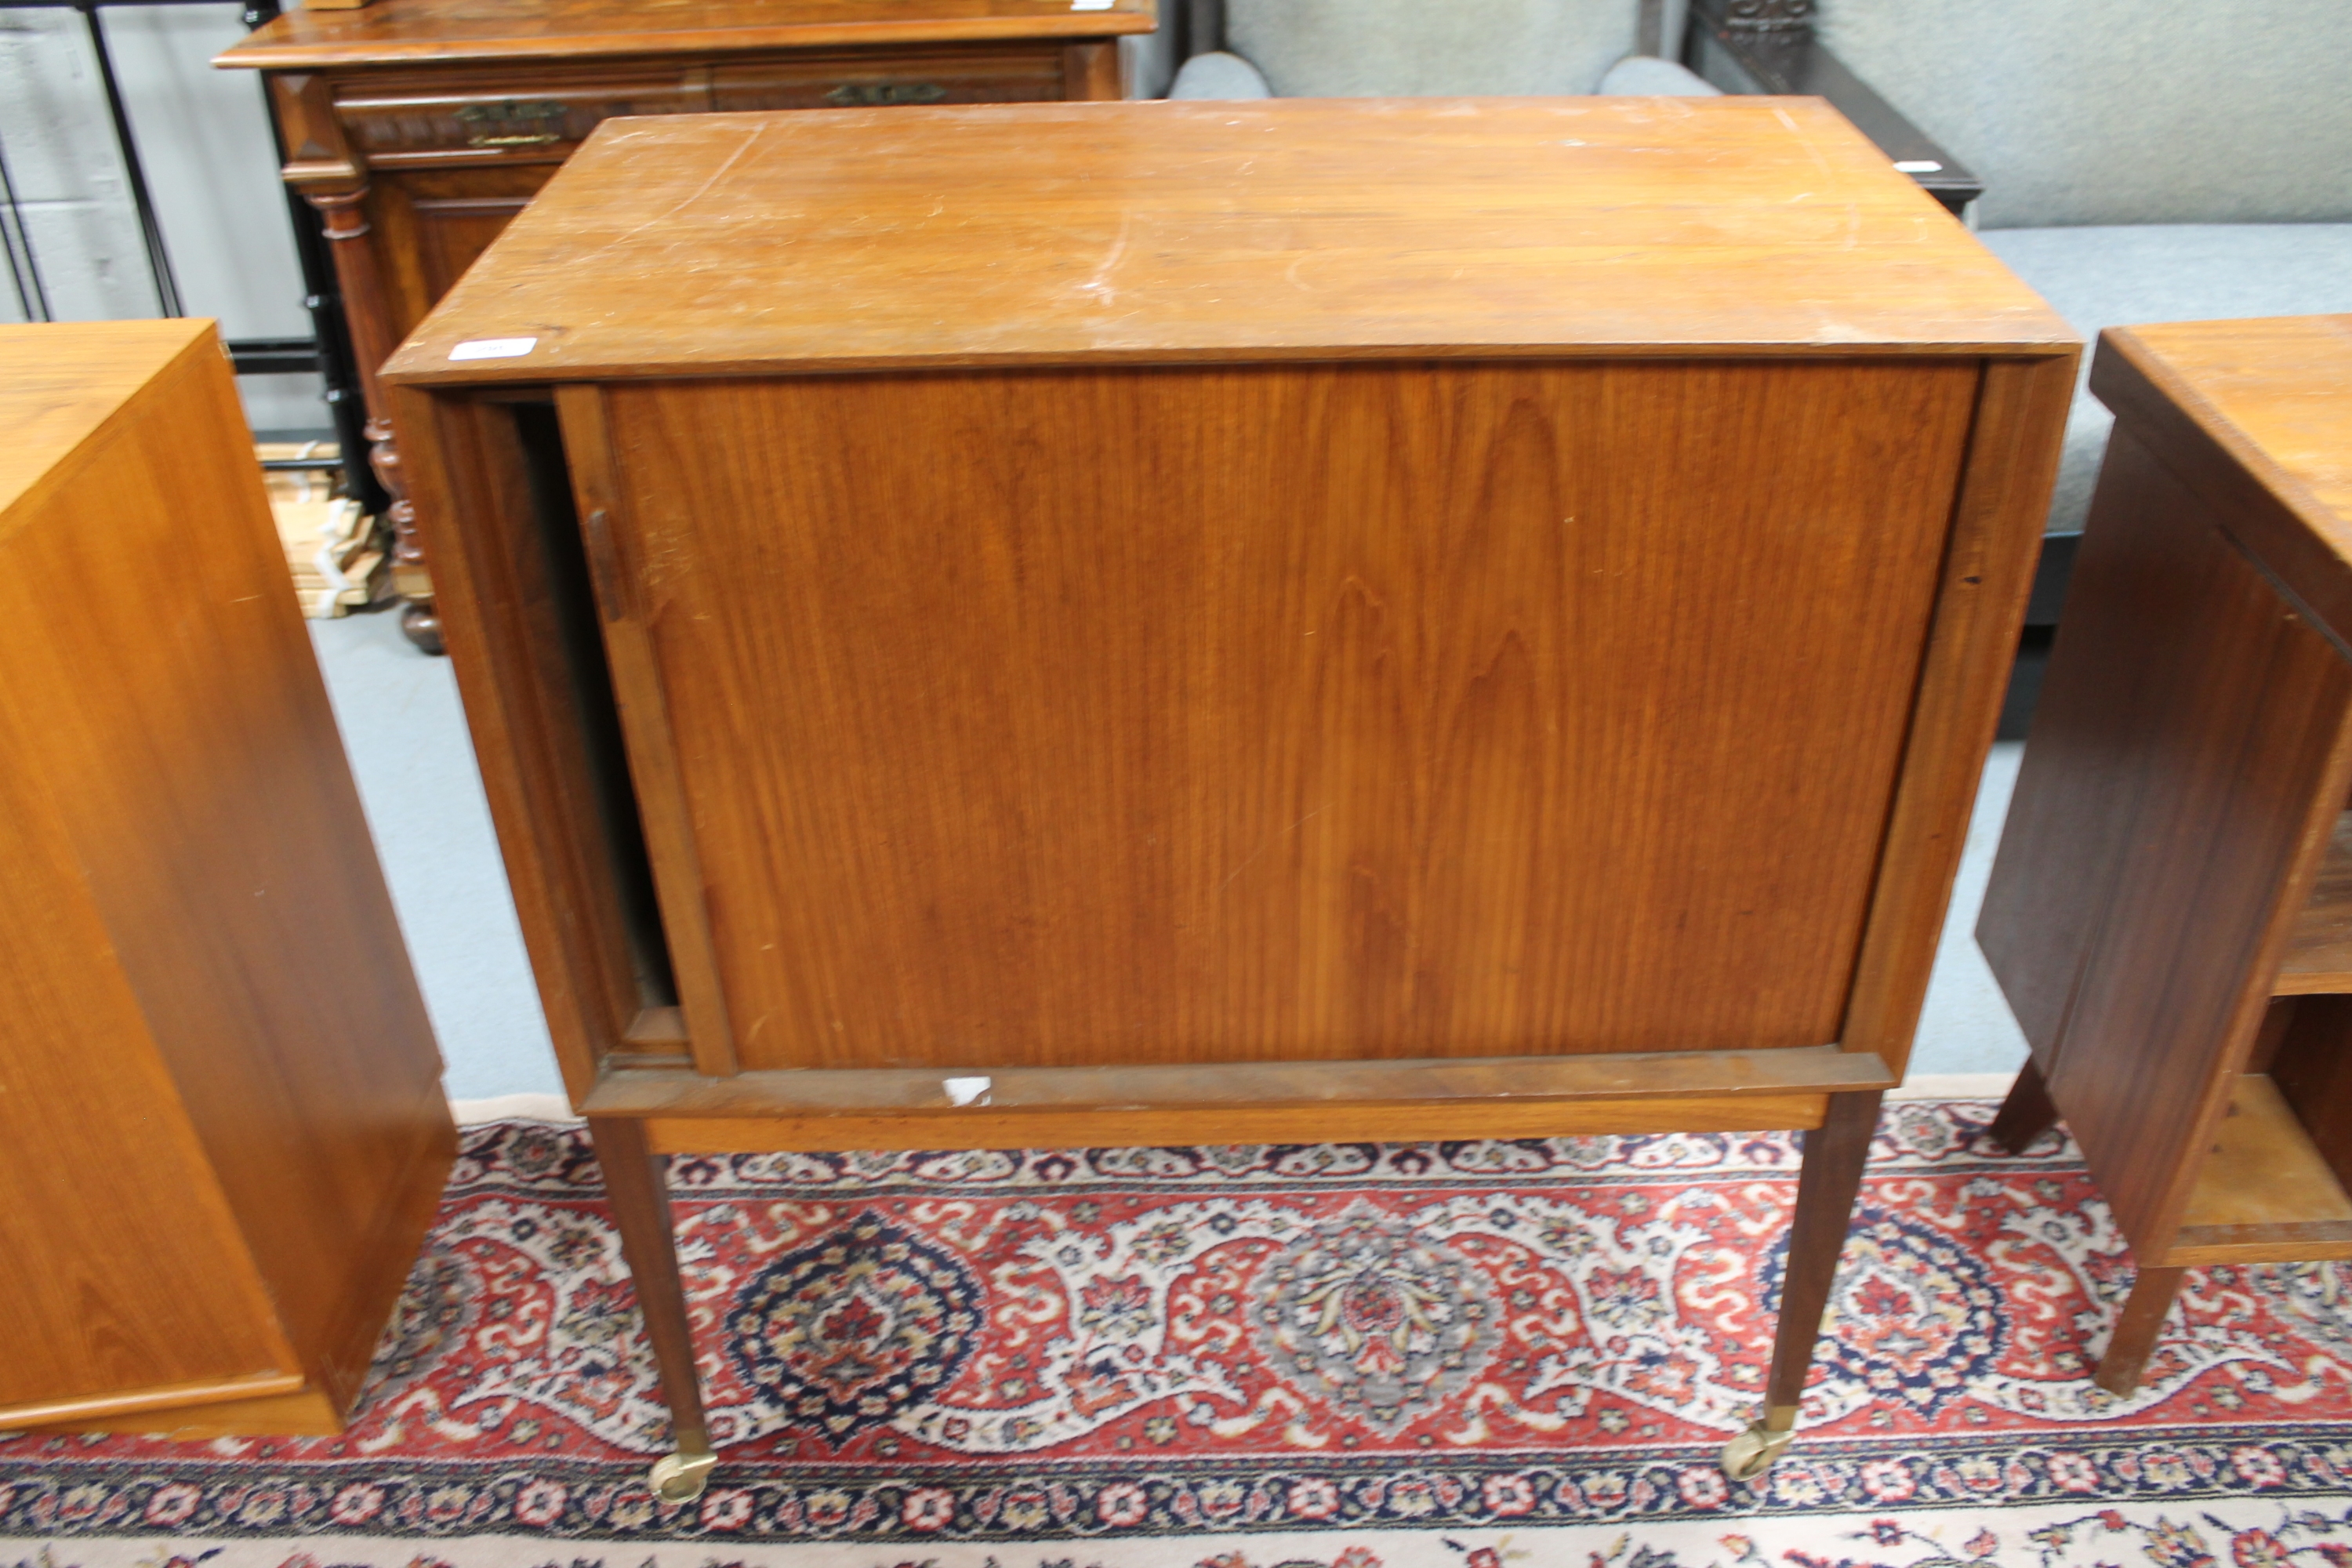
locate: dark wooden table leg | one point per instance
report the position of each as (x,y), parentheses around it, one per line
(636,1187)
(2027,1113)
(418,618)
(1832,1175)
(2135,1330)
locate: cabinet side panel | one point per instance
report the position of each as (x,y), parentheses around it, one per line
(512,582)
(1996,528)
(186,739)
(2185,764)
(1339,711)
(124,1269)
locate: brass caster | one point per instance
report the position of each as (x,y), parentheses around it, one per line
(681,1478)
(1753,1452)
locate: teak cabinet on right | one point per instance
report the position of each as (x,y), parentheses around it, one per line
(2171,913)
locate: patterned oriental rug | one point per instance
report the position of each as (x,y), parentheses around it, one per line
(1347,1356)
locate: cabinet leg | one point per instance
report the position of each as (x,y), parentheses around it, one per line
(2027,1113)
(2135,1330)
(418,618)
(1826,1185)
(635,1186)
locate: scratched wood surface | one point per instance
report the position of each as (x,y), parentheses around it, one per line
(2252,417)
(1168,231)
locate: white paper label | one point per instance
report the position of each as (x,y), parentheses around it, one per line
(967,1090)
(494,348)
(1089,4)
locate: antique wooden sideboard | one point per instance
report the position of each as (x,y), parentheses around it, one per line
(222,1135)
(1110,624)
(2171,913)
(419,128)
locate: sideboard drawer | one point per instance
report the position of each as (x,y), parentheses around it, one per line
(869,80)
(396,126)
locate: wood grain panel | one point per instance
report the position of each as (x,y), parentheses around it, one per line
(52,402)
(2263,1167)
(529,665)
(1016,74)
(1161,232)
(2319,946)
(2270,391)
(2251,415)
(2313,1069)
(430,225)
(127,1272)
(485,31)
(2269,1189)
(2186,766)
(1997,523)
(195,764)
(662,803)
(1288,713)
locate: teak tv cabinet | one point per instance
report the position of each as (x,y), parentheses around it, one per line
(222,1134)
(419,128)
(1135,622)
(2170,912)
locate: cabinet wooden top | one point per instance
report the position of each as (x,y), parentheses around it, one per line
(1170,232)
(60,382)
(409,32)
(2271,391)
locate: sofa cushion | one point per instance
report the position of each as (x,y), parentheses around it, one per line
(2102,111)
(1218,75)
(2099,278)
(1408,48)
(1646,76)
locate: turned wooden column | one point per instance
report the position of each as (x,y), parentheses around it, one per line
(344,213)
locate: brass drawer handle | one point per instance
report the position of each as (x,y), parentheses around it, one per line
(490,122)
(851,94)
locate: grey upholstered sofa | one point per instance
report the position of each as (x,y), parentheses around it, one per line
(2142,161)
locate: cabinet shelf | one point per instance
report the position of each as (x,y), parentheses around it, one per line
(2319,949)
(2266,1193)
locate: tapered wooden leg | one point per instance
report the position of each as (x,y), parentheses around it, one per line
(636,1187)
(2135,1337)
(1832,1175)
(2027,1113)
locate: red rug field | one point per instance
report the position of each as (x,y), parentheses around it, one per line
(1060,1355)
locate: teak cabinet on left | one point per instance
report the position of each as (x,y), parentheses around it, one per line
(222,1134)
